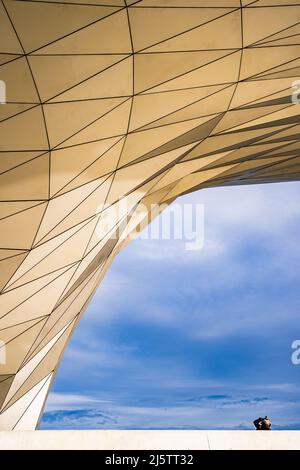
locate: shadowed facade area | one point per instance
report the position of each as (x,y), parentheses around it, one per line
(109,99)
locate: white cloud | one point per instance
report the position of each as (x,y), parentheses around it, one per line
(267,212)
(66,401)
(231,215)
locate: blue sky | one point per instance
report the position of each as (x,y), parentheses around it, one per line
(178,339)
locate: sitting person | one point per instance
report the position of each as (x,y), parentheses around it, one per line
(262,424)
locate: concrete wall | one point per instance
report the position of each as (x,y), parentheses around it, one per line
(149,440)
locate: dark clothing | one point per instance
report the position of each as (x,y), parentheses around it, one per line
(262,424)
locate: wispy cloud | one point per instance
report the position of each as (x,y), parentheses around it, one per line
(245,244)
(204,412)
(67,401)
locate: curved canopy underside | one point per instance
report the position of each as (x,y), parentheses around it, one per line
(147,99)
